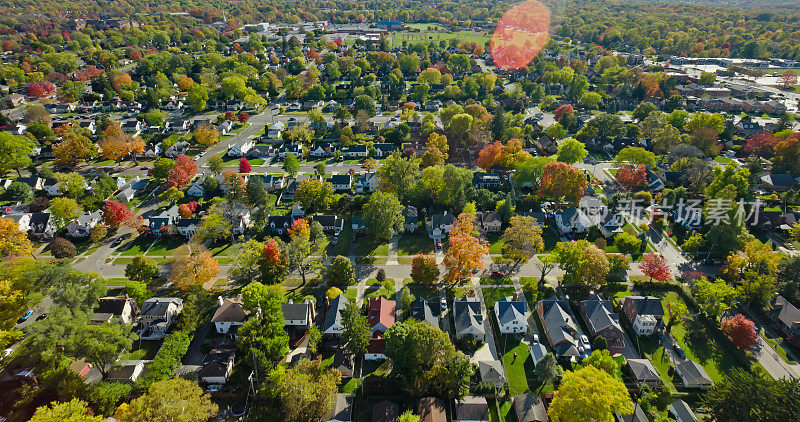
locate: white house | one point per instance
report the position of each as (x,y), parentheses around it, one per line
(342,182)
(225,127)
(217,367)
(511,315)
(229,314)
(127,373)
(298,315)
(366,183)
(572,220)
(276,130)
(23,220)
(197,189)
(241,148)
(333,317)
(355,151)
(157,316)
(81,226)
(321,149)
(187,227)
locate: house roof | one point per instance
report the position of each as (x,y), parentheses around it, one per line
(381,311)
(431,409)
(560,327)
(530,408)
(785,312)
(682,411)
(538,351)
(112,305)
(597,313)
(467,314)
(439,220)
(296,311)
(334,314)
(230,311)
(215,363)
(491,371)
(341,179)
(646,305)
(125,372)
(157,306)
(692,373)
(509,310)
(385,411)
(472,408)
(785,180)
(643,370)
(422,310)
(638,415)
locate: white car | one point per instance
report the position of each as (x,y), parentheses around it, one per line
(586,345)
(536,337)
(213,388)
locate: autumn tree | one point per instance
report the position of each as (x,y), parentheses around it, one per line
(632,178)
(582,262)
(466,252)
(436,152)
(562,183)
(182,172)
(306,392)
(522,239)
(141,269)
(273,263)
(656,267)
(490,155)
(589,394)
(13,242)
(306,248)
(75,145)
(762,144)
(315,195)
(740,330)
(424,270)
(244,165)
(116,144)
(205,134)
(192,265)
(174,399)
(116,214)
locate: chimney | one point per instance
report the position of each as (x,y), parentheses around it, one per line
(220,300)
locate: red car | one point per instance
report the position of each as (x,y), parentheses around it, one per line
(498,274)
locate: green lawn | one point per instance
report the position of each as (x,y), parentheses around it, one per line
(479,38)
(103,163)
(257,162)
(493,294)
(136,246)
(164,246)
(516,368)
(495,281)
(224,248)
(495,243)
(351,293)
(723,160)
(414,244)
(342,246)
(368,246)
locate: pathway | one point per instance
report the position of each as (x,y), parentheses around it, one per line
(489,349)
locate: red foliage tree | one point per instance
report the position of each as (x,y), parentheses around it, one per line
(632,178)
(491,155)
(39,89)
(740,330)
(181,174)
(655,266)
(230,115)
(116,214)
(562,182)
(244,165)
(184,211)
(135,55)
(762,144)
(272,253)
(562,111)
(243,117)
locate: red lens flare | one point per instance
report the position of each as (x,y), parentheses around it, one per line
(520,35)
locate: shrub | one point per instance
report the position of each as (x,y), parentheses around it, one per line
(62,248)
(381,275)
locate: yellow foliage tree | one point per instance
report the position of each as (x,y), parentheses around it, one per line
(13,242)
(206,135)
(589,394)
(192,264)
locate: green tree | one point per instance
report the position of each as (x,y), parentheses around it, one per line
(141,269)
(398,175)
(247,262)
(161,167)
(74,410)
(627,243)
(636,155)
(213,227)
(643,110)
(138,291)
(15,152)
(383,215)
(749,395)
(522,239)
(215,164)
(713,297)
(589,394)
(582,262)
(64,210)
(101,344)
(18,192)
(264,332)
(571,151)
(306,392)
(601,359)
(175,399)
(197,97)
(341,272)
(738,178)
(291,164)
(106,396)
(355,331)
(547,371)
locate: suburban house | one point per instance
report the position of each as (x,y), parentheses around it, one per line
(471,409)
(198,188)
(217,367)
(380,316)
(355,151)
(129,190)
(42,226)
(491,181)
(693,375)
(638,415)
(176,149)
(122,309)
(279,223)
(276,130)
(410,219)
(643,312)
(322,149)
(157,315)
(342,410)
(187,227)
(643,372)
(559,327)
(572,220)
(425,311)
(530,408)
(23,220)
(52,187)
(681,412)
(298,315)
(602,321)
(127,374)
(489,221)
(538,351)
(366,183)
(81,226)
(777,182)
(241,148)
(165,218)
(342,182)
(384,149)
(787,317)
(510,315)
(330,223)
(468,318)
(491,372)
(333,317)
(431,409)
(440,225)
(229,315)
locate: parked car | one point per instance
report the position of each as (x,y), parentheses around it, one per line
(117,242)
(41,317)
(536,337)
(586,345)
(443,302)
(679,351)
(25,317)
(335,240)
(498,274)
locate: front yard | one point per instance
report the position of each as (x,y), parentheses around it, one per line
(414,244)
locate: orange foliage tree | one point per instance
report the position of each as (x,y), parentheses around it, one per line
(465,252)
(192,265)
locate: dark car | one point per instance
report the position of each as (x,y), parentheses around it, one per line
(41,317)
(498,274)
(679,351)
(117,242)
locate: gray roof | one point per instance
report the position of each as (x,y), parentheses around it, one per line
(682,411)
(157,306)
(638,415)
(561,328)
(538,351)
(785,312)
(692,373)
(530,408)
(510,310)
(296,311)
(334,314)
(598,314)
(422,310)
(646,305)
(643,370)
(472,408)
(467,313)
(491,371)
